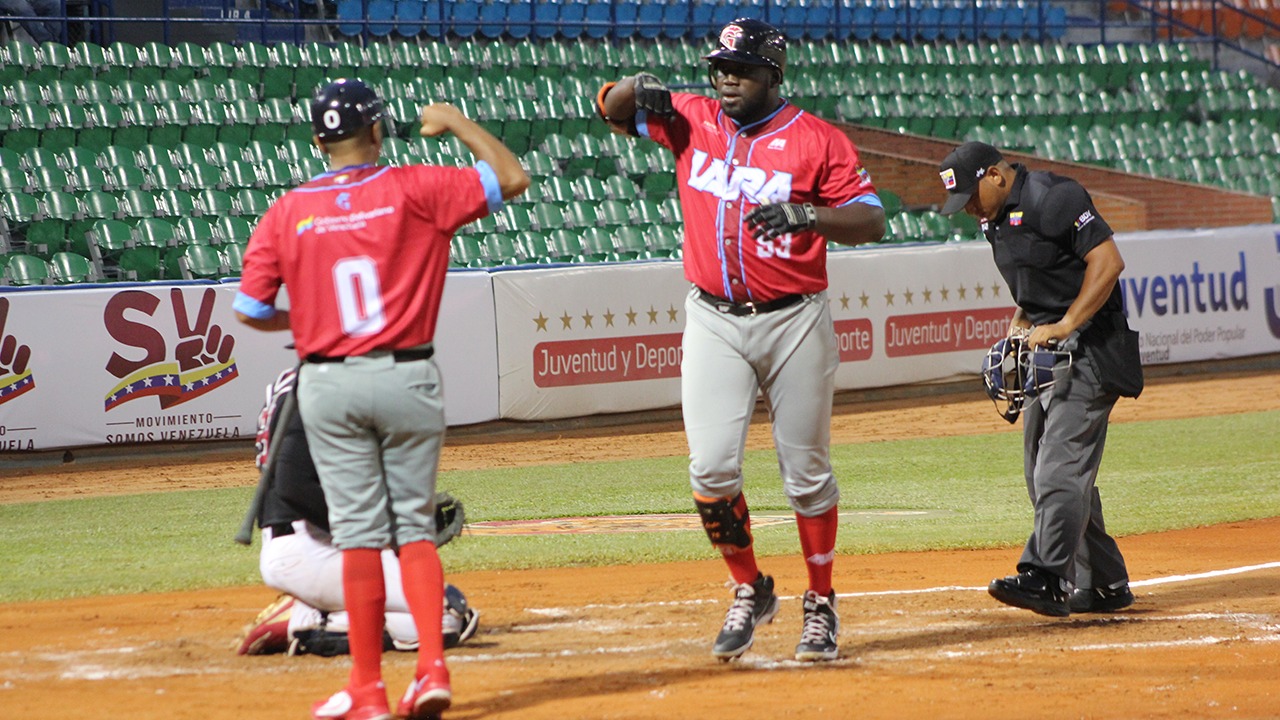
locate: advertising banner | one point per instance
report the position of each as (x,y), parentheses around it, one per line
(1203,294)
(589,339)
(170,363)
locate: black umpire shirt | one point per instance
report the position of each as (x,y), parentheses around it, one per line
(1039,240)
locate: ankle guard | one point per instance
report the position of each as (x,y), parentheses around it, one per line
(727,522)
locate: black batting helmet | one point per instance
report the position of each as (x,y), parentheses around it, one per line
(752,42)
(344,107)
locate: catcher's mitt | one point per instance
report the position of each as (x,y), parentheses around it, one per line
(449,518)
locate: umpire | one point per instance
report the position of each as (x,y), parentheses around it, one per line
(1062,266)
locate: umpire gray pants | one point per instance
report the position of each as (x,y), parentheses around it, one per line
(1063,436)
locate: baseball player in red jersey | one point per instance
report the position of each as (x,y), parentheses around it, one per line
(363,251)
(764,186)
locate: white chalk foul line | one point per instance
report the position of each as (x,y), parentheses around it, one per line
(562,611)
(1205,575)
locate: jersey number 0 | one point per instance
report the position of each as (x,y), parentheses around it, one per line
(355,281)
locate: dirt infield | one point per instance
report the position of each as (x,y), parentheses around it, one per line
(921,639)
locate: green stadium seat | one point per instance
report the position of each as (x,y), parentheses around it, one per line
(140,203)
(12,179)
(19,207)
(233,257)
(565,245)
(465,251)
(177,203)
(252,202)
(23,270)
(532,247)
(100,204)
(195,231)
(190,262)
(629,243)
(108,238)
(231,229)
(67,268)
(142,264)
(499,249)
(214,202)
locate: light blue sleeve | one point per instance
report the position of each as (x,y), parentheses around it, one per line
(873,200)
(252,307)
(642,123)
(492,190)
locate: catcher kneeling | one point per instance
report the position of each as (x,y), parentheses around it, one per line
(299,560)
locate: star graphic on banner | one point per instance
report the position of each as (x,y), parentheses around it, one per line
(888,298)
(673,315)
(844,301)
(608,317)
(586,319)
(567,320)
(995,290)
(945,292)
(865,299)
(963,291)
(541,322)
(128,389)
(977,290)
(147,381)
(631,316)
(928,296)
(908,295)
(653,316)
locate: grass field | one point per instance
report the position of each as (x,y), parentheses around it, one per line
(1156,476)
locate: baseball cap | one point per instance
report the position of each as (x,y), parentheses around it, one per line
(962,170)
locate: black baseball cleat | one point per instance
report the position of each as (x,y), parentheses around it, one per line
(1034,590)
(753,604)
(819,640)
(1085,600)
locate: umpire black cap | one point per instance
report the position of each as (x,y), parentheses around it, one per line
(344,107)
(961,171)
(752,42)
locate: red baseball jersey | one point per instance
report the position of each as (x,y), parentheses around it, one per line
(724,171)
(363,252)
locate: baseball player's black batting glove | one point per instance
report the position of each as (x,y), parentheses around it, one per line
(652,95)
(778,219)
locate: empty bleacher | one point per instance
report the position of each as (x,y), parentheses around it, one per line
(154,161)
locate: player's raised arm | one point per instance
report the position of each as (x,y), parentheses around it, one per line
(439,118)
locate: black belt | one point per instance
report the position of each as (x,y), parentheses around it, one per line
(408,355)
(281,529)
(747,308)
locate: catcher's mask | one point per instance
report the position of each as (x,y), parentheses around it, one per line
(344,107)
(1002,377)
(751,42)
(1013,371)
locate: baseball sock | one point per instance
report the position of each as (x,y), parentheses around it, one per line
(423,581)
(818,541)
(366,598)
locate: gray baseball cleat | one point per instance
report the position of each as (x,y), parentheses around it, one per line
(753,604)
